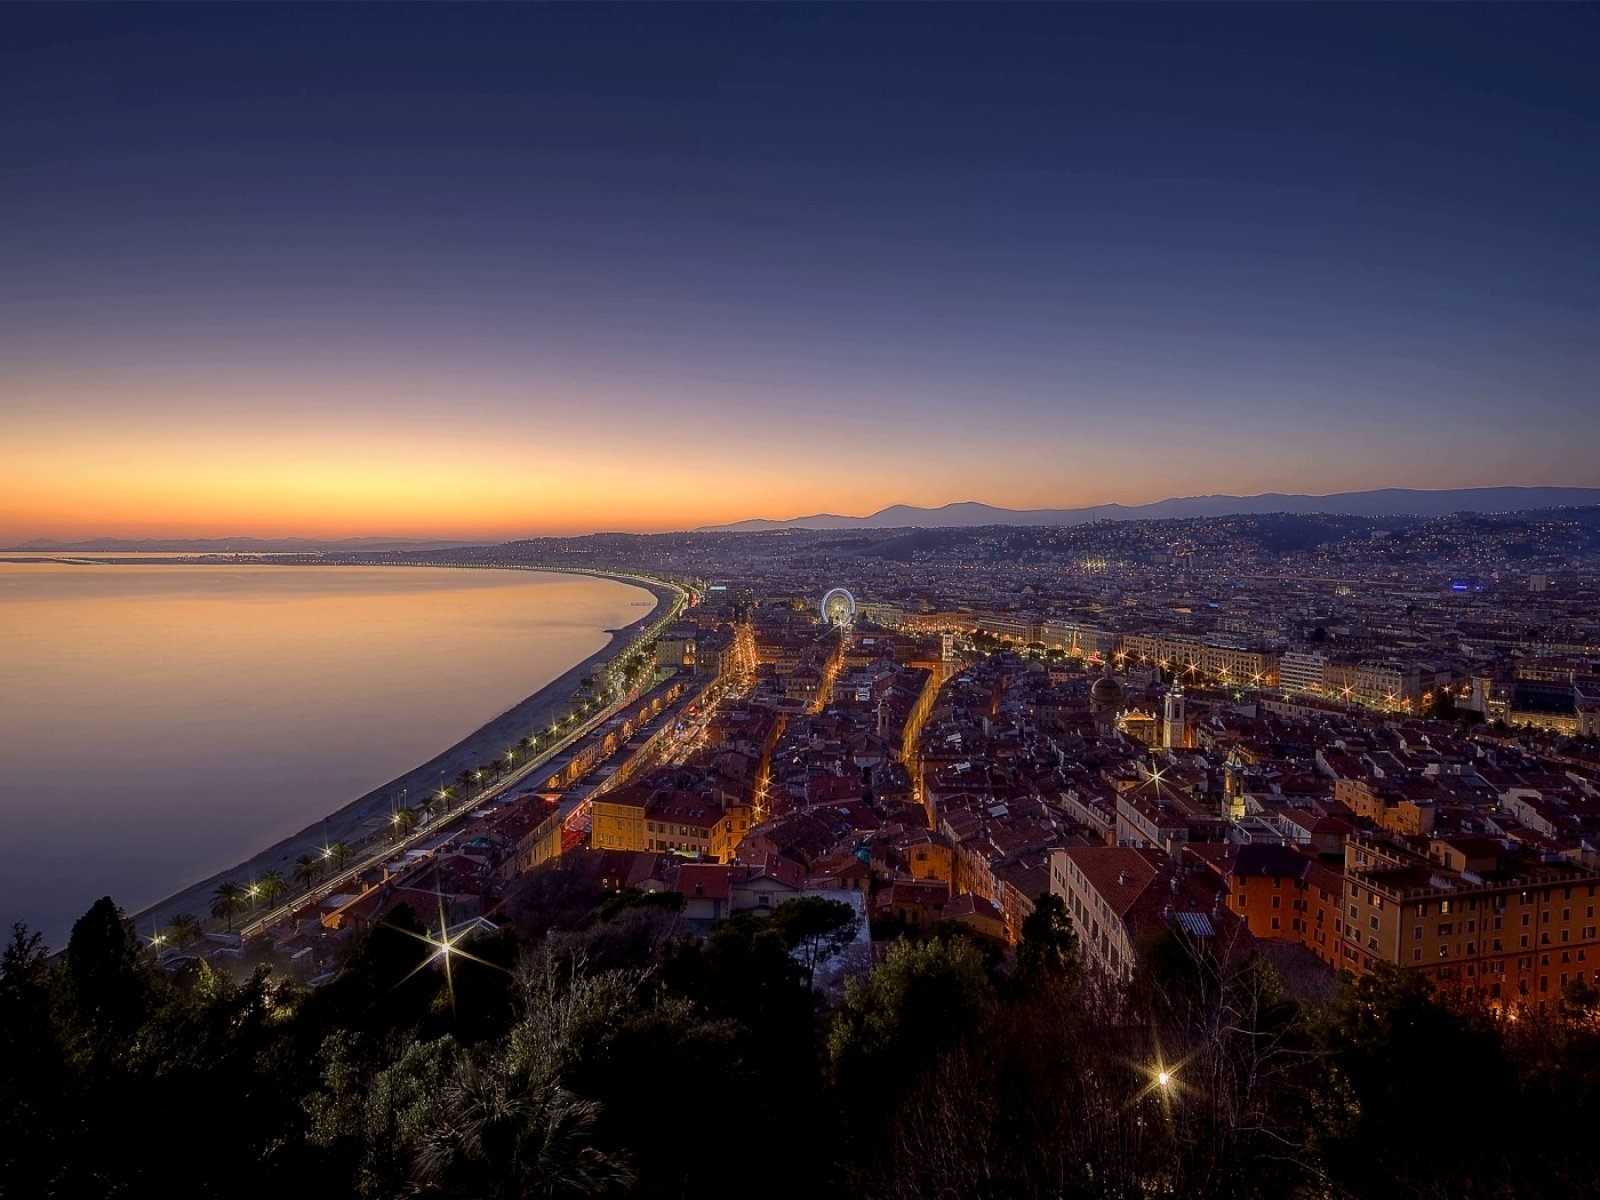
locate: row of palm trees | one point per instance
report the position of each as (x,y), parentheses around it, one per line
(589,700)
(233,897)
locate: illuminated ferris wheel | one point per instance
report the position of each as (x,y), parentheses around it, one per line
(838,607)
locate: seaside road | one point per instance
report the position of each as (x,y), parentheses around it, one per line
(386,851)
(354,823)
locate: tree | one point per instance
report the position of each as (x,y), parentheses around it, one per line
(1048,949)
(1393,1050)
(815,929)
(340,853)
(227,900)
(23,965)
(894,1024)
(183,929)
(505,1132)
(31,1061)
(102,976)
(307,870)
(273,886)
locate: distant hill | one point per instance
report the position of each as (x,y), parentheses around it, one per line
(1384,502)
(238,545)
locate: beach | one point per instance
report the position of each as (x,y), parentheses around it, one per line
(361,816)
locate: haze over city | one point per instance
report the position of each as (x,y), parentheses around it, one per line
(527,270)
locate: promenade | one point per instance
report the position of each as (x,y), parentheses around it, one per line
(356,823)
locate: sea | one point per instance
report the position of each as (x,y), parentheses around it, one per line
(160,722)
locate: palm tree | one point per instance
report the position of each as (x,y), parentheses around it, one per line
(183,929)
(272,885)
(465,778)
(227,900)
(307,870)
(340,853)
(507,1134)
(405,821)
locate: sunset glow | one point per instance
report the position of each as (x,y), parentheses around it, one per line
(655,273)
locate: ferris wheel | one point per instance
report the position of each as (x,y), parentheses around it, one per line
(838,607)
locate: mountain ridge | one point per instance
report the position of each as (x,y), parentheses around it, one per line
(1377,502)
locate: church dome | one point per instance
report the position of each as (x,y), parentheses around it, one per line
(1106,691)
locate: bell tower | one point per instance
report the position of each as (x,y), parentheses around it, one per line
(1233,787)
(1172,723)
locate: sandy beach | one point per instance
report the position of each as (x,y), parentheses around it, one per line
(359,817)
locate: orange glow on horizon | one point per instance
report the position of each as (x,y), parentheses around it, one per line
(273,456)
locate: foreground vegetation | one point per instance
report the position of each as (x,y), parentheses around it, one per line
(597,1050)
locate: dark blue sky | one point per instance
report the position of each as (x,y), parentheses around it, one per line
(855,255)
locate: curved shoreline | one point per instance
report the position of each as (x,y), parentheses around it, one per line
(353,820)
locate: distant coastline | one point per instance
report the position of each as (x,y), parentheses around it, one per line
(353,819)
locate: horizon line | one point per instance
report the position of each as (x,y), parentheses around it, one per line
(87,541)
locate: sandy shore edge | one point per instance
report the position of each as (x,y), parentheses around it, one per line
(356,818)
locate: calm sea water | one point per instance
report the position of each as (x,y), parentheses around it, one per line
(159,723)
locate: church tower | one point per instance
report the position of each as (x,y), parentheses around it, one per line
(1233,787)
(1172,724)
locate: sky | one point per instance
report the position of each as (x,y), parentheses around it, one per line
(501,270)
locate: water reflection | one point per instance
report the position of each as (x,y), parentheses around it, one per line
(159,723)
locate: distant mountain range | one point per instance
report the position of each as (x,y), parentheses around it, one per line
(238,545)
(1384,502)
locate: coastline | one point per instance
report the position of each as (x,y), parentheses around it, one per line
(355,819)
